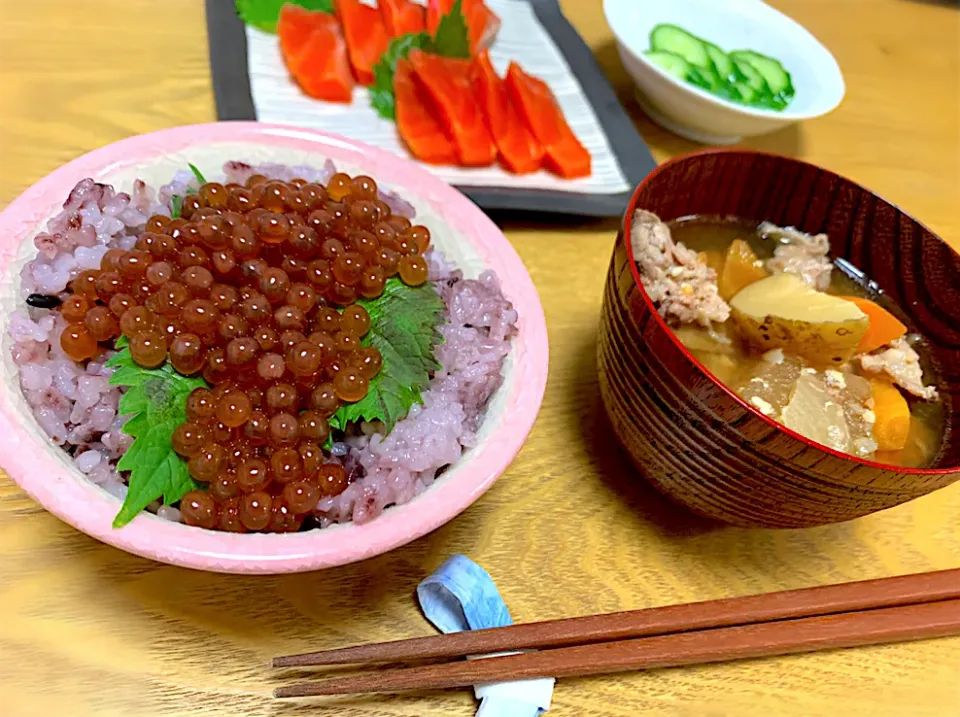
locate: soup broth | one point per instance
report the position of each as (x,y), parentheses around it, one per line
(843,398)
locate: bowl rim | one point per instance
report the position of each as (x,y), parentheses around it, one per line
(45,477)
(786,115)
(627,226)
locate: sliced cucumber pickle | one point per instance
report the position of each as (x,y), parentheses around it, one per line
(778,79)
(753,88)
(743,76)
(721,60)
(672,64)
(670,38)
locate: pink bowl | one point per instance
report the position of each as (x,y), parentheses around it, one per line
(459,229)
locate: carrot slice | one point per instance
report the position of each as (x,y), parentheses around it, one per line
(564,154)
(447,81)
(402,16)
(482,26)
(315,53)
(892,425)
(519,150)
(741,267)
(366,36)
(884,327)
(419,129)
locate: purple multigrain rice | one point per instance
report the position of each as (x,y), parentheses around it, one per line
(94,219)
(398,205)
(240,172)
(77,407)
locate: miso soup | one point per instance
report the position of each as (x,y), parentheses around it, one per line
(804,339)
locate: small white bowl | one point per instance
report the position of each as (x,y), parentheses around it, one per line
(699,115)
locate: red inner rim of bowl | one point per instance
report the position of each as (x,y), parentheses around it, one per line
(635,271)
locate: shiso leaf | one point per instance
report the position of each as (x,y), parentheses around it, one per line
(381,91)
(403,327)
(264,14)
(157,400)
(146,490)
(180,482)
(451,40)
(176,208)
(126,376)
(122,359)
(197,173)
(137,425)
(133,402)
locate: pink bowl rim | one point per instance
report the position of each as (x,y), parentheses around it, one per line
(46,480)
(635,272)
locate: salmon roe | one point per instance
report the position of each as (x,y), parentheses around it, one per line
(253,289)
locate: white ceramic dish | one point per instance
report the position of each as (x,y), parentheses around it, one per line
(732,25)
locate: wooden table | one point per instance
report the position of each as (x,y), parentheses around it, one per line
(88,630)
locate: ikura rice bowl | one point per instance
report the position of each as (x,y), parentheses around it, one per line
(281,405)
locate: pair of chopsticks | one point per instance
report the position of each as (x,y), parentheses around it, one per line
(871,612)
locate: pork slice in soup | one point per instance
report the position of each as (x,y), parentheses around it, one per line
(766,311)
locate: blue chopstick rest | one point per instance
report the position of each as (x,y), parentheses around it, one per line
(460,595)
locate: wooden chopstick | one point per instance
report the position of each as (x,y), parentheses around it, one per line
(850,629)
(806,602)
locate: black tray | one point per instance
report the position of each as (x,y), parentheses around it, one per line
(231,86)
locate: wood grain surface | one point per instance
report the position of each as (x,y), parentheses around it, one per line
(87,630)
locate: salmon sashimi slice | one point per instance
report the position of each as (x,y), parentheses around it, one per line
(295,26)
(483,24)
(402,16)
(366,36)
(447,82)
(564,154)
(519,150)
(420,130)
(315,53)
